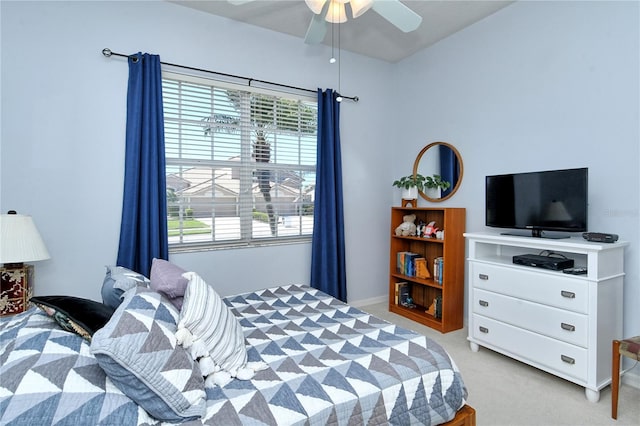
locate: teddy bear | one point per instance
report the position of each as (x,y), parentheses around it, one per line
(407,227)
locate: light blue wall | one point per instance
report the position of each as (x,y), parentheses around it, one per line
(538,85)
(63,117)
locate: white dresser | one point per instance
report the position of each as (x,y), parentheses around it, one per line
(557,322)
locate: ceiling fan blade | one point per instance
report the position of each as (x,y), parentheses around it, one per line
(316,31)
(398,14)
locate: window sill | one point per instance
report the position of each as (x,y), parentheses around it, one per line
(201,247)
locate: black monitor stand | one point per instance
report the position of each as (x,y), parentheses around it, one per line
(536,233)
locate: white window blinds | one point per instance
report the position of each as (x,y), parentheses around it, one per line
(240,164)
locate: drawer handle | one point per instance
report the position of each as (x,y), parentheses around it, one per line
(568,294)
(568,327)
(483,303)
(483,276)
(567,359)
(484,329)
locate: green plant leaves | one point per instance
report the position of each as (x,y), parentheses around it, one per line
(421,182)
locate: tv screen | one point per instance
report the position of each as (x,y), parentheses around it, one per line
(553,200)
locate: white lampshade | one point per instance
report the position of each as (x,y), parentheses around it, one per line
(315,5)
(19,240)
(337,13)
(358,7)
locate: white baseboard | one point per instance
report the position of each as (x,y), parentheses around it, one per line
(370,301)
(632,378)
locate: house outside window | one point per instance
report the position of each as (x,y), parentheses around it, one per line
(240,164)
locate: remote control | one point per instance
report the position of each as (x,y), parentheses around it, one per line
(575,271)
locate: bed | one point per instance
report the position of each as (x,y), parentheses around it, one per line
(327,363)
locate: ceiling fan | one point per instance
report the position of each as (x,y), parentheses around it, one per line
(334,11)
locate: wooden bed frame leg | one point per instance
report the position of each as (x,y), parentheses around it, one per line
(615,378)
(466,416)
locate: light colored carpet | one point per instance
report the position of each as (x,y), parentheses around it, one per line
(505,392)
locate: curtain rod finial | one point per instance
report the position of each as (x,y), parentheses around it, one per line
(106,52)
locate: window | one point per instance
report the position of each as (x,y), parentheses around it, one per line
(240,164)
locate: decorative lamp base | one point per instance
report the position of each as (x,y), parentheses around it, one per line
(410,202)
(16,288)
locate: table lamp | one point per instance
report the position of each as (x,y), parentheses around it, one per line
(19,242)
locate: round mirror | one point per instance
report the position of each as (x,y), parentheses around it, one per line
(441,162)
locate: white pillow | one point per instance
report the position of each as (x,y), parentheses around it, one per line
(211,331)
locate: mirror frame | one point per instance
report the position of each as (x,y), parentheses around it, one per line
(458,157)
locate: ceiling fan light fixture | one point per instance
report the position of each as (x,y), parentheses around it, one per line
(358,7)
(315,5)
(337,13)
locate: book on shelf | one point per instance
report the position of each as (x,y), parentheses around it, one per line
(400,262)
(405,263)
(404,292)
(438,267)
(438,310)
(399,285)
(410,264)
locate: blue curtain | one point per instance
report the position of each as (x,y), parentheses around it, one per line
(328,270)
(143,230)
(448,167)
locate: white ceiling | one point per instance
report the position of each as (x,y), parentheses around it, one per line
(370,34)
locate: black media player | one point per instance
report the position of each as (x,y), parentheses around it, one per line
(545,262)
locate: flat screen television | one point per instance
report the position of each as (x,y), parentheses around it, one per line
(552,200)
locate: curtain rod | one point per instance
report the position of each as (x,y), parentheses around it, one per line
(107,52)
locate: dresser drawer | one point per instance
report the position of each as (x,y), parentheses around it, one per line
(562,291)
(538,350)
(568,326)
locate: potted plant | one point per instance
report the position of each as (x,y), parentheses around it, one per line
(410,185)
(434,185)
(413,183)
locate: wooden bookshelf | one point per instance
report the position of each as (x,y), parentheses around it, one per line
(424,291)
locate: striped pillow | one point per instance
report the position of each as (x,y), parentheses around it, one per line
(212,333)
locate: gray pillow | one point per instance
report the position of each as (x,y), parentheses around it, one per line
(138,351)
(166,278)
(118,280)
